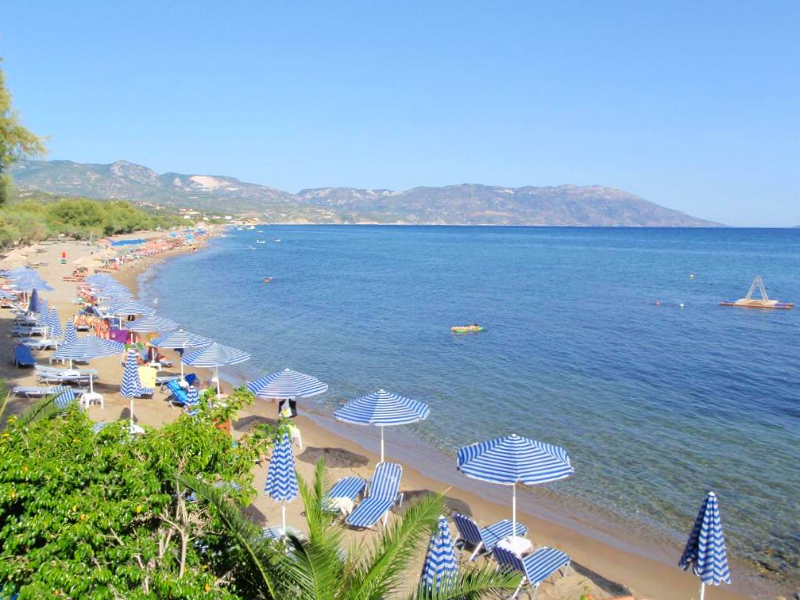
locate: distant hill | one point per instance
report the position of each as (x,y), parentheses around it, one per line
(465,204)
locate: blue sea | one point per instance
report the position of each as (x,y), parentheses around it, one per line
(656,405)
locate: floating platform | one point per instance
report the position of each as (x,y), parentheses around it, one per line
(752,301)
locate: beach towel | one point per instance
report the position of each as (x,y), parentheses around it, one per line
(147,377)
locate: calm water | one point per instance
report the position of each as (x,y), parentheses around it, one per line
(656,405)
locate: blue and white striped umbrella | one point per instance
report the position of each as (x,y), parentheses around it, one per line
(180,340)
(54,324)
(192,400)
(29,283)
(216,355)
(131,386)
(70,336)
(86,349)
(281,478)
(705,550)
(43,309)
(287,385)
(440,566)
(382,409)
(33,303)
(131,308)
(513,459)
(151,323)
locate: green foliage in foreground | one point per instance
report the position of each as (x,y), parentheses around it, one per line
(101,515)
(43,216)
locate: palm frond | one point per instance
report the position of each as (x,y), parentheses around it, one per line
(266,562)
(320,557)
(381,569)
(40,410)
(471,583)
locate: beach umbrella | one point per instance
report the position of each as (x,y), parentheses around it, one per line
(440,566)
(705,550)
(42,311)
(281,483)
(131,308)
(513,459)
(192,400)
(216,356)
(70,336)
(86,349)
(287,385)
(131,386)
(33,303)
(181,340)
(29,283)
(151,323)
(382,409)
(54,324)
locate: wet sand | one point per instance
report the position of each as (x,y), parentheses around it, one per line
(603,565)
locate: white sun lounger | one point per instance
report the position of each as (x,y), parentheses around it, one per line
(40,343)
(32,391)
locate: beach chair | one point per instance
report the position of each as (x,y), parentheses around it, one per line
(63,376)
(40,343)
(535,568)
(31,391)
(483,539)
(382,494)
(27,330)
(178,396)
(23,357)
(342,496)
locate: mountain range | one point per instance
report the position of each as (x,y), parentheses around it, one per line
(464,204)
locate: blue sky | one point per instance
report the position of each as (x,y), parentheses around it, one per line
(693,105)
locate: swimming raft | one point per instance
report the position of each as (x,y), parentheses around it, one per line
(752,301)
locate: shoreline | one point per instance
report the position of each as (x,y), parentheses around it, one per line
(644,566)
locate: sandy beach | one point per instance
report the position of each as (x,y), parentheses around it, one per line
(603,566)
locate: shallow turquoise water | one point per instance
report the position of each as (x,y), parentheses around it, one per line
(655,404)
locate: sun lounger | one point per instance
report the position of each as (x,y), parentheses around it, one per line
(535,567)
(344,494)
(31,391)
(26,331)
(63,376)
(178,396)
(483,539)
(383,493)
(40,343)
(23,357)
(162,380)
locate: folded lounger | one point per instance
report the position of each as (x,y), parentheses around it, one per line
(382,494)
(347,487)
(23,357)
(535,567)
(486,538)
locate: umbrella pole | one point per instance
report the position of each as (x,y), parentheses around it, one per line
(283,517)
(381,443)
(216,373)
(514,512)
(702,590)
(182,367)
(91,383)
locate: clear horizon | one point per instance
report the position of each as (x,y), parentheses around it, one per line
(692,107)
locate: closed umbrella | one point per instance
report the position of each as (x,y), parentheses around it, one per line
(513,459)
(69,332)
(440,567)
(382,409)
(192,400)
(54,324)
(216,356)
(705,550)
(281,483)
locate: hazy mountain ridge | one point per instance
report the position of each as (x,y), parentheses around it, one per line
(465,204)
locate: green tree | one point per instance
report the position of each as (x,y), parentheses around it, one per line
(320,568)
(101,515)
(15,140)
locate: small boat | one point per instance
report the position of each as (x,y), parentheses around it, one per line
(251,247)
(260,242)
(250,227)
(751,301)
(267,279)
(277,240)
(474,328)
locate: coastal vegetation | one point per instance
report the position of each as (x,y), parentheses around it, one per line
(94,512)
(35,217)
